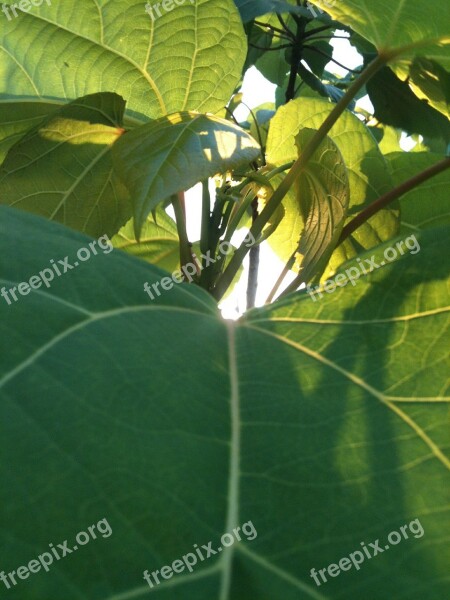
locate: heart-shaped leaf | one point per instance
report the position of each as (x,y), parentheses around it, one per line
(306,420)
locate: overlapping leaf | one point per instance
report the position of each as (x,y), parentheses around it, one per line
(431,81)
(62,168)
(396,105)
(158,244)
(16,118)
(416,26)
(250,9)
(323,195)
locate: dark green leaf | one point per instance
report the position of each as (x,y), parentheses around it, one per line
(306,418)
(396,105)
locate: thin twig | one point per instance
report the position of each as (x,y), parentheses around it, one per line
(327,37)
(287,267)
(232,116)
(317,30)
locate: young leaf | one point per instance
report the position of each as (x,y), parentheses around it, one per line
(259,129)
(323,194)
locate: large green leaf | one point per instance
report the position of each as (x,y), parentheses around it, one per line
(322,423)
(62,168)
(427,205)
(367,172)
(419,25)
(174,153)
(190,58)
